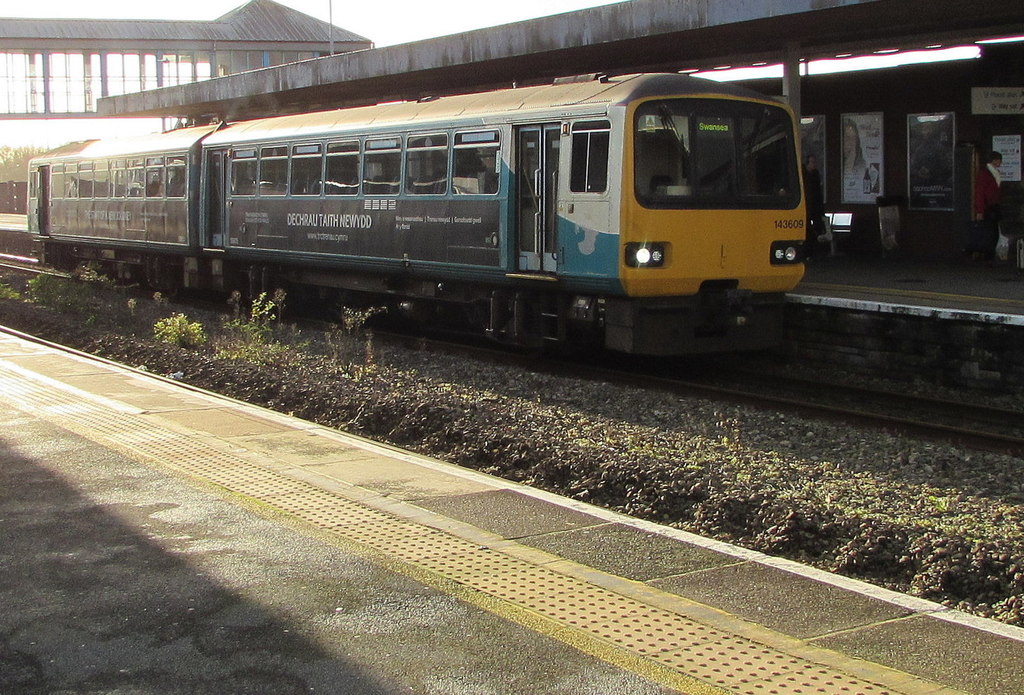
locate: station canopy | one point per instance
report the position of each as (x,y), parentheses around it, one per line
(634,36)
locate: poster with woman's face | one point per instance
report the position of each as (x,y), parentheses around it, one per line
(862,157)
(930,138)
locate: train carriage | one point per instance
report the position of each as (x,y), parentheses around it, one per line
(658,214)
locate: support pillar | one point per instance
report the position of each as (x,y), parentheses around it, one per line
(791,78)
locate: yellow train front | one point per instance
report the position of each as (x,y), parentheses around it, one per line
(706,223)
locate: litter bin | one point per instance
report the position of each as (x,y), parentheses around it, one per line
(889,222)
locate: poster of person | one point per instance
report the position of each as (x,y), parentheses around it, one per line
(812,141)
(930,138)
(862,157)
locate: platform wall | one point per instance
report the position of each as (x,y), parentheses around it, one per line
(987,356)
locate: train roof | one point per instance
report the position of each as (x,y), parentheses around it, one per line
(598,93)
(595,94)
(180,140)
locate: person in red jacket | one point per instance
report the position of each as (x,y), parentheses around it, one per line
(986,205)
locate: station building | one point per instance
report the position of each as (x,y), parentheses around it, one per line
(53,68)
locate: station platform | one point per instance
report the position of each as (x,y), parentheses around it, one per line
(957,289)
(155,533)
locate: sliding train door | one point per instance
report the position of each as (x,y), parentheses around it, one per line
(216,213)
(41,179)
(537,148)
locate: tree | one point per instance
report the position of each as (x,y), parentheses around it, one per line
(14,161)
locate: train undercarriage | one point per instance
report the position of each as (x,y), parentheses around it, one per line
(718,318)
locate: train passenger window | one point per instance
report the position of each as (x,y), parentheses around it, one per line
(342,177)
(274,170)
(71,181)
(85,179)
(119,177)
(101,180)
(243,172)
(307,169)
(136,178)
(382,167)
(57,185)
(426,165)
(477,163)
(589,171)
(176,177)
(155,181)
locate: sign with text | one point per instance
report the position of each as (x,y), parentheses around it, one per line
(997,101)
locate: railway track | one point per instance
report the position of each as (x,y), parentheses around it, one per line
(961,422)
(964,423)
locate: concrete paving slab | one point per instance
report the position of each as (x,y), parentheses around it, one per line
(398,479)
(300,448)
(780,600)
(10,348)
(219,422)
(941,651)
(510,514)
(629,552)
(48,363)
(127,389)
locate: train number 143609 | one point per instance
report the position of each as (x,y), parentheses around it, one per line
(789,224)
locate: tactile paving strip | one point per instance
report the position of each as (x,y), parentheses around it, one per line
(717,660)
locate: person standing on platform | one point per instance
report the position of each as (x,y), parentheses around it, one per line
(815,201)
(987,212)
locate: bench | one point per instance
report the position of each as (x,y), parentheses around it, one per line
(837,226)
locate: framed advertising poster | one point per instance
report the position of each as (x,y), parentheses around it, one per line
(1009,147)
(930,142)
(862,164)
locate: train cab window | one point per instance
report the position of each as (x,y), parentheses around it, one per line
(155,177)
(477,163)
(176,177)
(342,176)
(273,170)
(119,178)
(243,172)
(85,179)
(426,165)
(101,180)
(382,166)
(716,154)
(589,171)
(307,169)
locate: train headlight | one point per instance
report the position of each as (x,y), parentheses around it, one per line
(649,254)
(787,252)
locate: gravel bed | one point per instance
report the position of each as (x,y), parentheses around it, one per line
(932,520)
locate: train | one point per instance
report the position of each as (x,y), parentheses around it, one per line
(652,214)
